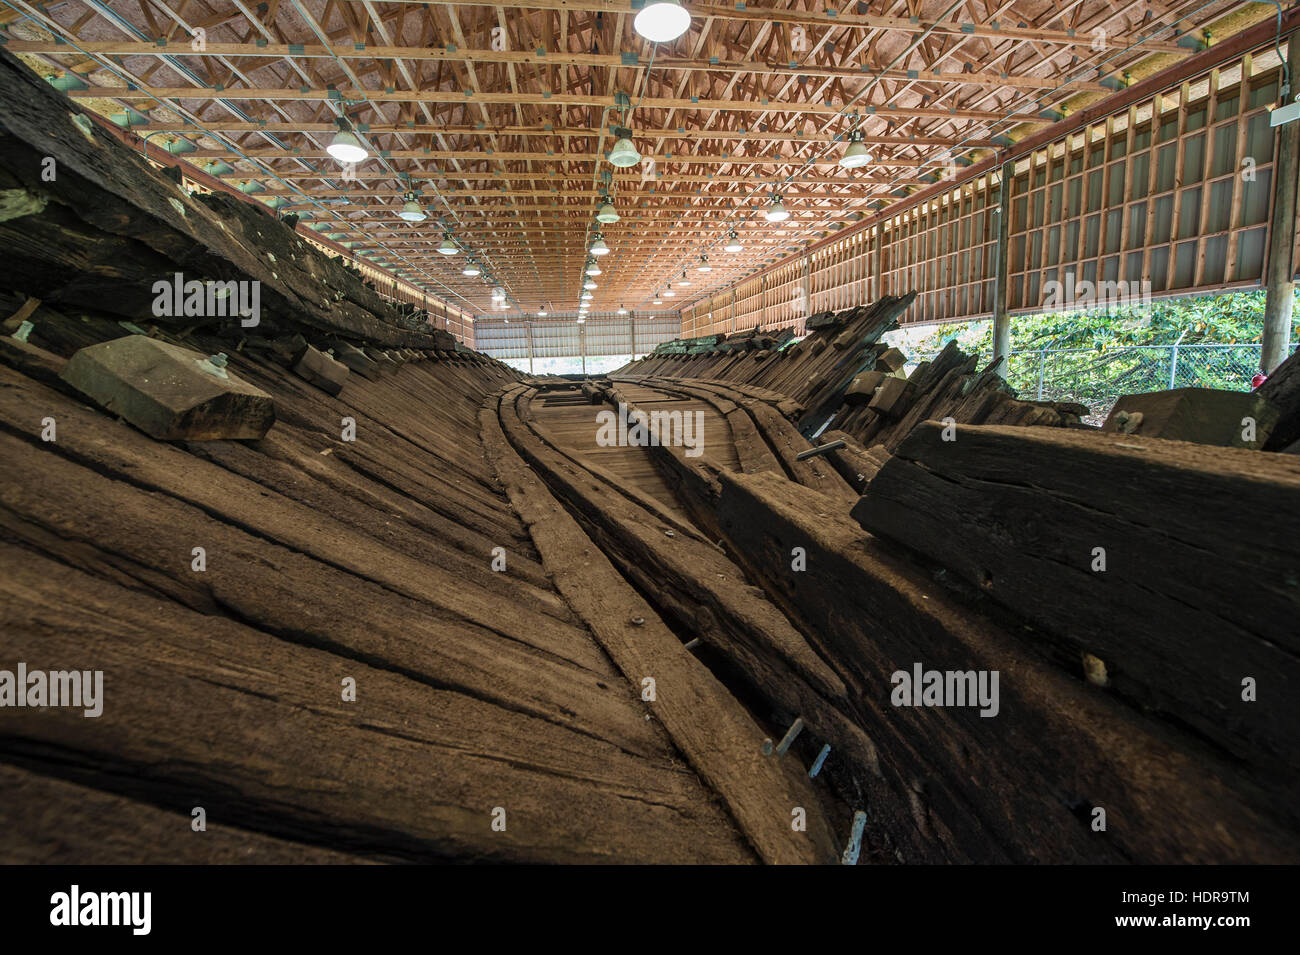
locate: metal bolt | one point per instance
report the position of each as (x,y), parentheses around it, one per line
(851,851)
(788,740)
(820,449)
(638,621)
(817,763)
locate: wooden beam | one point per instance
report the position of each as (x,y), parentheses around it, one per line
(1280,269)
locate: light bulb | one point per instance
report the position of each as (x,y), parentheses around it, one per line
(623,155)
(662,20)
(855,155)
(412,212)
(345,147)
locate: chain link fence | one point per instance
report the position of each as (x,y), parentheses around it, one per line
(1098,378)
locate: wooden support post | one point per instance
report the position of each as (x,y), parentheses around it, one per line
(528,332)
(1280,269)
(1001,320)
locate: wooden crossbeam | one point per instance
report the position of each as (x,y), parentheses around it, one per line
(543,99)
(561,58)
(568,132)
(994,29)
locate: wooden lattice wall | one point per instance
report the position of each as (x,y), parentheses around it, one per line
(1175,191)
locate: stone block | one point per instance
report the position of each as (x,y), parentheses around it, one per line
(863,387)
(893,397)
(321,370)
(1199,415)
(168,392)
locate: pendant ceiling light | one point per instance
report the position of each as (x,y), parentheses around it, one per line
(657,301)
(593,267)
(589,284)
(345,147)
(542,313)
(624,153)
(662,20)
(669,293)
(598,246)
(471,269)
(581,320)
(607,213)
(855,154)
(733,243)
(411,209)
(622,310)
(685,280)
(776,212)
(704,264)
(448,246)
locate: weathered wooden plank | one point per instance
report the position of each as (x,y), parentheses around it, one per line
(256,730)
(119,451)
(1173,564)
(1021,785)
(701,591)
(47,821)
(716,735)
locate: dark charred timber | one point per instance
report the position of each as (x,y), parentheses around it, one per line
(849,380)
(1112,547)
(1019,786)
(1283,390)
(856,464)
(108,226)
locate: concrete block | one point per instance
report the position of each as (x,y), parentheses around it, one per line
(863,387)
(356,360)
(321,370)
(893,397)
(385,364)
(168,392)
(891,361)
(1199,415)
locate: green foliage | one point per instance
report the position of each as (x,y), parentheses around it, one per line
(1094,357)
(1232,318)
